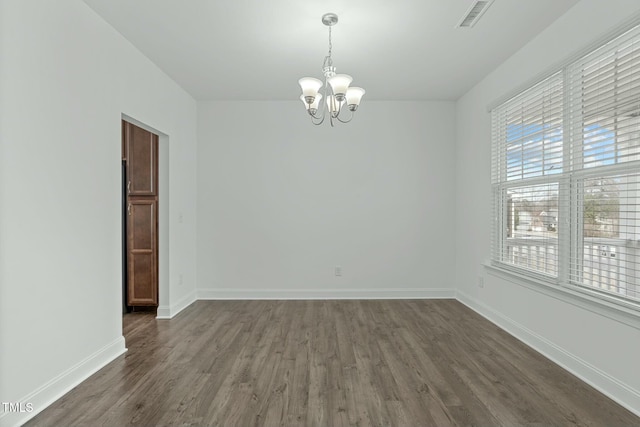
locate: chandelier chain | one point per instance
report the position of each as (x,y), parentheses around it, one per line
(328,62)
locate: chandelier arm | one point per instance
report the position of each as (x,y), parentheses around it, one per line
(315,117)
(318,119)
(322,109)
(348,120)
(315,122)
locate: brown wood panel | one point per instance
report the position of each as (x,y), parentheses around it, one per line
(142,252)
(141,147)
(329,363)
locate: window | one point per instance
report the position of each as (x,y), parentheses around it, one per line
(566,174)
(527,173)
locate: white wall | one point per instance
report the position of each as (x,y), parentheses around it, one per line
(282,202)
(603,347)
(66,77)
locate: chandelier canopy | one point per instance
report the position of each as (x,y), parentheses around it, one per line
(338,95)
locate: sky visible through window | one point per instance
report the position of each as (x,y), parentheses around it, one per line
(599,148)
(536,149)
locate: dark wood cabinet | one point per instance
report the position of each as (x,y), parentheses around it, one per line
(140,153)
(142,252)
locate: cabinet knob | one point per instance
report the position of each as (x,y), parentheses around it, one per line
(129,187)
(129,209)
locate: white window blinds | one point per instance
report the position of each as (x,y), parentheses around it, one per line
(566,175)
(604,110)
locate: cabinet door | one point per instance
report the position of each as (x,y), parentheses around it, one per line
(141,152)
(143,252)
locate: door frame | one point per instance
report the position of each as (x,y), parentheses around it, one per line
(163,311)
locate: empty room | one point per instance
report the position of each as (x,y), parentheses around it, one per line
(319,213)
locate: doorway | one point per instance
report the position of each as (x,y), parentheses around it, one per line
(140,213)
(163,309)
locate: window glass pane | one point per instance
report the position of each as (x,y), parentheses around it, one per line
(532,227)
(599,145)
(610,257)
(533,150)
(528,132)
(605,93)
(607,141)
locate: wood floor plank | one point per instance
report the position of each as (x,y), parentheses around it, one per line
(329,363)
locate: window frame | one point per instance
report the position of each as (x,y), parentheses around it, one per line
(570,240)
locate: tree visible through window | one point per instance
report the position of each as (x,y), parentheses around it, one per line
(601,208)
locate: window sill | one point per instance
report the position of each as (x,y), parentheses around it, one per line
(598,303)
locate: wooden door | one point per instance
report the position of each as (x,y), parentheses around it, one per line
(142,252)
(141,153)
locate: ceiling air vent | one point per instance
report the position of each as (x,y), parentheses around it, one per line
(475,12)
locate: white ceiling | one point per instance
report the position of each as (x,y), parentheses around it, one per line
(258,49)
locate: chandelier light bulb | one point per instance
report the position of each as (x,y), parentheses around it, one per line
(316,102)
(339,84)
(313,107)
(333,105)
(304,101)
(354,95)
(310,88)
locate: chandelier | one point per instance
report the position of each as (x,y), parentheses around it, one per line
(338,95)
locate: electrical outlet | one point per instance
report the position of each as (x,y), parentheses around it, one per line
(480,282)
(338,270)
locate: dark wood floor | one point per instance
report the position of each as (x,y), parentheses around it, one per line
(329,363)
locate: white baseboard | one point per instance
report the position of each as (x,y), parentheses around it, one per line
(63,383)
(601,381)
(304,294)
(165,312)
